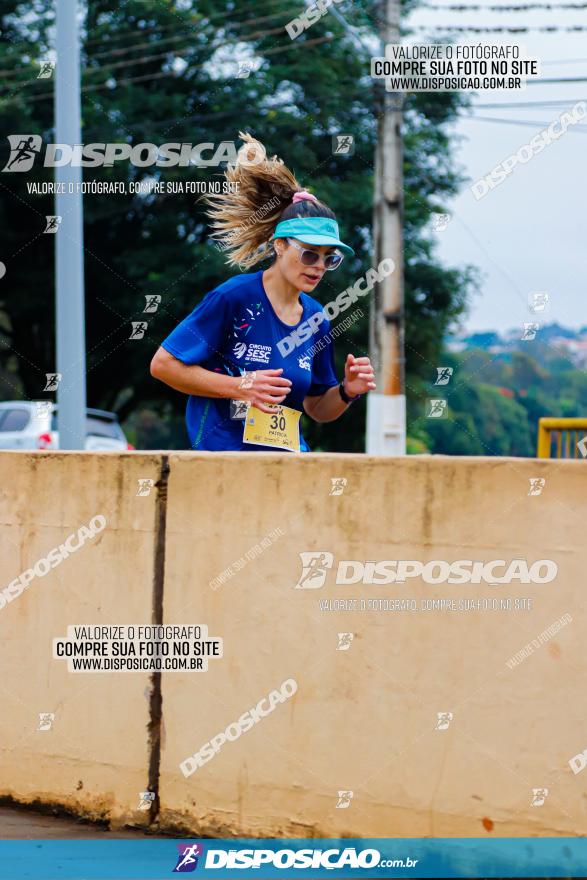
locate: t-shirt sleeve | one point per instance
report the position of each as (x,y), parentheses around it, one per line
(323,371)
(203,333)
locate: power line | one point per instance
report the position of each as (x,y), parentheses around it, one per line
(161,74)
(519,7)
(147,59)
(525,104)
(575,128)
(156,43)
(556,81)
(546,29)
(186,27)
(565,61)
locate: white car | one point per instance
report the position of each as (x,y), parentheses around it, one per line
(32,424)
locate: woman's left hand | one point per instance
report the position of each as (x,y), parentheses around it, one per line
(358,375)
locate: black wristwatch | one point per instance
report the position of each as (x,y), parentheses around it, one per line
(345,396)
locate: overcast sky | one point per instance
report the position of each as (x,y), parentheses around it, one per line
(529,233)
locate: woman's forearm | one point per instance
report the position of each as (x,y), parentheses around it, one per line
(326,408)
(192,379)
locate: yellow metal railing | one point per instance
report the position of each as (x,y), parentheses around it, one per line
(558,433)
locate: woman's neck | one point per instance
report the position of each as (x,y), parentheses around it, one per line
(279,290)
(283,296)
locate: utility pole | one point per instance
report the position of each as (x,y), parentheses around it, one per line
(69,262)
(386,408)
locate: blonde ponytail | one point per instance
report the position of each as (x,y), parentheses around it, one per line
(244,219)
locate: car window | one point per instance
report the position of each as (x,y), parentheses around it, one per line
(14,419)
(102,427)
(96,426)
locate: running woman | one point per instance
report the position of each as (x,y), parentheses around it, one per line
(248,375)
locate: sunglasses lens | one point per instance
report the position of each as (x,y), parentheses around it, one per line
(310,258)
(331,261)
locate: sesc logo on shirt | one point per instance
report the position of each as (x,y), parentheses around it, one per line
(259,354)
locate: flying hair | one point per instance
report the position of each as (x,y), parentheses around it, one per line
(244,220)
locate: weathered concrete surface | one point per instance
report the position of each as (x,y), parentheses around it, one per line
(364,719)
(95,757)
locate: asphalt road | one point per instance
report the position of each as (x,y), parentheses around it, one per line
(19,824)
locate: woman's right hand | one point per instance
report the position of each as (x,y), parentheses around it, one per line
(263,388)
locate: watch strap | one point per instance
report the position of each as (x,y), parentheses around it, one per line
(346,397)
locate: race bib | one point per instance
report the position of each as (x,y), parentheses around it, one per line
(280,428)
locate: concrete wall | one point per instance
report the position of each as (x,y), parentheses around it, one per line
(362,719)
(94,759)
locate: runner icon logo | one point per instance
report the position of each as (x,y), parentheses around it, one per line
(314,566)
(187,859)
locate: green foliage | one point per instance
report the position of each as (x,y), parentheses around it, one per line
(495,402)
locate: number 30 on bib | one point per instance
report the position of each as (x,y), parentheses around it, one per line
(280,428)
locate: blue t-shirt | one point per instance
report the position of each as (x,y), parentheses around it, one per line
(235,329)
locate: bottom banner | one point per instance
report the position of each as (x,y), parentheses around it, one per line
(304,858)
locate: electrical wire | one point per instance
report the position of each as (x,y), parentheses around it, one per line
(160,75)
(545,29)
(148,58)
(578,129)
(521,7)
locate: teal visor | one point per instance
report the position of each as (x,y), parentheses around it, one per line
(313,230)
